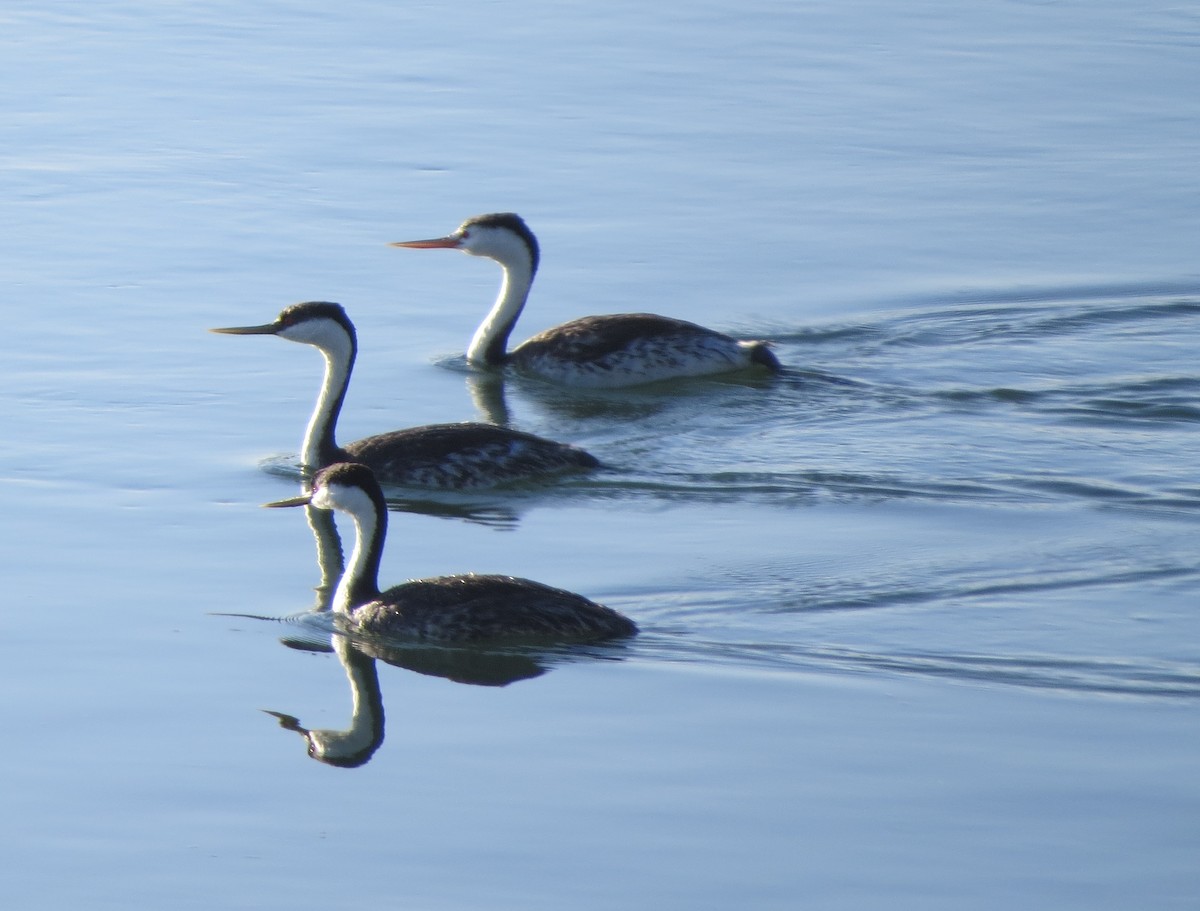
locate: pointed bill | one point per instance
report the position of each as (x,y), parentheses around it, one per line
(303,500)
(449,241)
(265,329)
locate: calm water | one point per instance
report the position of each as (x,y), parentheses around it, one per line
(919,615)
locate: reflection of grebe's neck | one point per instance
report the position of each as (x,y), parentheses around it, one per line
(356,744)
(329,553)
(487,395)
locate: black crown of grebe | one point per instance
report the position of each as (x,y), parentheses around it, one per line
(608,351)
(440,456)
(445,609)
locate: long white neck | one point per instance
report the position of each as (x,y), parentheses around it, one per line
(359,582)
(319,442)
(490,342)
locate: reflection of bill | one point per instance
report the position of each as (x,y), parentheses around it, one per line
(355,745)
(481,666)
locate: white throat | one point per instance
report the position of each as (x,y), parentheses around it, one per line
(514,291)
(337,348)
(361,509)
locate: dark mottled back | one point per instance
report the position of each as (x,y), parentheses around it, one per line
(489,608)
(465,455)
(597,336)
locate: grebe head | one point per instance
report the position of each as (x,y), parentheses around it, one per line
(346,486)
(502,236)
(351,488)
(348,749)
(319,323)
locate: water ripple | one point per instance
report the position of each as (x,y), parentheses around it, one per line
(1072,396)
(1064,675)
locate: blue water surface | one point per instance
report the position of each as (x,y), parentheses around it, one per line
(919,615)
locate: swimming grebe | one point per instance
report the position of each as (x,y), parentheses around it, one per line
(620,349)
(445,609)
(439,456)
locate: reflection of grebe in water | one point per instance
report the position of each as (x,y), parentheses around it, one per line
(460,609)
(471,663)
(357,743)
(439,456)
(596,352)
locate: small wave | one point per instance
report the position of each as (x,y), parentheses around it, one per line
(1004,318)
(1064,675)
(1111,402)
(773,589)
(1052,613)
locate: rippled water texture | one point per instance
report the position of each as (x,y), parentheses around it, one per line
(918,615)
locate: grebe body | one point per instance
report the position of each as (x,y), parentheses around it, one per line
(626,349)
(465,608)
(608,351)
(459,456)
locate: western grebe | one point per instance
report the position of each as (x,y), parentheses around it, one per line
(441,456)
(465,608)
(608,351)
